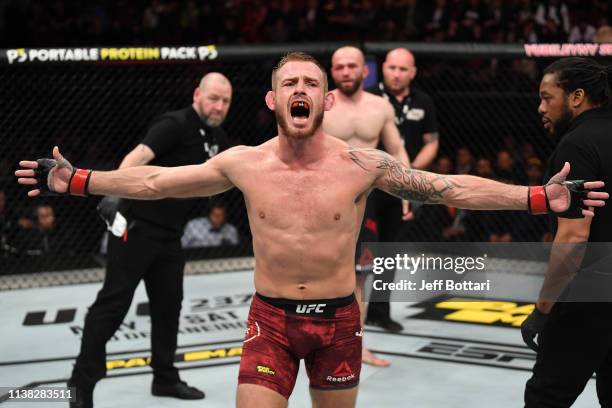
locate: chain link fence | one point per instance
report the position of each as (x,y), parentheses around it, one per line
(97,112)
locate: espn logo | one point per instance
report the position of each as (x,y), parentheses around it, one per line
(307,309)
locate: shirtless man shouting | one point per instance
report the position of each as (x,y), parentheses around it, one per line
(305,195)
(363,120)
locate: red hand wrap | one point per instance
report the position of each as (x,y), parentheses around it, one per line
(79,182)
(537,200)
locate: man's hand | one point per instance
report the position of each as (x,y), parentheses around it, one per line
(407,215)
(571,199)
(532,327)
(107,209)
(52,176)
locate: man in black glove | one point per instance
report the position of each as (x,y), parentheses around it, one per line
(532,326)
(145,243)
(574,339)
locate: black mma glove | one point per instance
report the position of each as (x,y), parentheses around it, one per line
(107,209)
(538,199)
(532,327)
(577,196)
(77,184)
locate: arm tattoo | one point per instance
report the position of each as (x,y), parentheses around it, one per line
(355,158)
(397,179)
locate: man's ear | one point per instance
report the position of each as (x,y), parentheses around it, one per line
(270,100)
(414,72)
(577,98)
(366,71)
(329,100)
(196,94)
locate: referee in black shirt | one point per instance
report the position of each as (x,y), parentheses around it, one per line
(574,340)
(145,243)
(415,117)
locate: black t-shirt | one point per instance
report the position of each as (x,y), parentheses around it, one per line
(177,138)
(415,115)
(587,145)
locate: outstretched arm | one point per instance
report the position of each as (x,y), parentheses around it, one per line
(140,182)
(464,191)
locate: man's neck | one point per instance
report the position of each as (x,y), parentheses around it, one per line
(583,108)
(353,98)
(301,151)
(399,95)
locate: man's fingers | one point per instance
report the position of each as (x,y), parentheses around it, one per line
(27,181)
(33,193)
(56,154)
(408,216)
(591,185)
(24,173)
(29,164)
(598,195)
(594,203)
(565,170)
(588,213)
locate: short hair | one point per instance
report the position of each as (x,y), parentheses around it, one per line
(299,57)
(583,73)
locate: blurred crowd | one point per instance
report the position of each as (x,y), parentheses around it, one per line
(30,23)
(511,164)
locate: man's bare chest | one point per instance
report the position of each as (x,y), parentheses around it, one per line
(361,125)
(307,200)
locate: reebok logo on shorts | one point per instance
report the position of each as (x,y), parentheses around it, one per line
(342,374)
(265,370)
(308,309)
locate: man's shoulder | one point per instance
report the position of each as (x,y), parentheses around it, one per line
(420,94)
(248,153)
(374,97)
(198,222)
(378,102)
(375,90)
(179,115)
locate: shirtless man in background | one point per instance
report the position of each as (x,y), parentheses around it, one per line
(305,194)
(362,120)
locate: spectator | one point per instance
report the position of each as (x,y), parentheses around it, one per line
(534,172)
(40,235)
(603,35)
(553,13)
(505,170)
(444,165)
(583,32)
(437,20)
(7,226)
(211,231)
(464,160)
(484,168)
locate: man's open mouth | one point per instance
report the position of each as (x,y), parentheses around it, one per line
(300,110)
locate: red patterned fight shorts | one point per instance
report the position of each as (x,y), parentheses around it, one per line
(325,333)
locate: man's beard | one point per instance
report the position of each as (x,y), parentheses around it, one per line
(299,133)
(349,90)
(560,126)
(210,122)
(213,123)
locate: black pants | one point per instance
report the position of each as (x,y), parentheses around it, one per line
(152,255)
(576,343)
(385,211)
